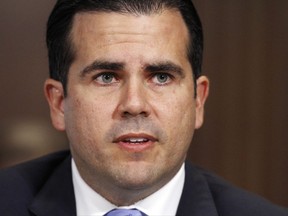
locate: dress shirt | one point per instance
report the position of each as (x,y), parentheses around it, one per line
(163,202)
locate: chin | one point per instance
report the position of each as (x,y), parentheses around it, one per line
(138,176)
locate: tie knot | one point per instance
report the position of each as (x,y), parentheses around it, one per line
(125,212)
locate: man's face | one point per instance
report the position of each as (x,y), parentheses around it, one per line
(130,112)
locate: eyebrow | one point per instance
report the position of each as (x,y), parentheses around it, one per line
(165,67)
(101,65)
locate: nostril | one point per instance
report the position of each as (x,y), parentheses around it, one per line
(145,114)
(128,114)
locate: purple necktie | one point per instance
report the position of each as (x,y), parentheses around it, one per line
(125,212)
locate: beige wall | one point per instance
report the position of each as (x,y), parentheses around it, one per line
(245,136)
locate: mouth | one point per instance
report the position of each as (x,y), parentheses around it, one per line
(135,142)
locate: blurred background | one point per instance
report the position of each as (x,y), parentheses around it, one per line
(245,135)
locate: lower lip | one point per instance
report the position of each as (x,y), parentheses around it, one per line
(139,147)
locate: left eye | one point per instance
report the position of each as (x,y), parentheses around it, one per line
(161,78)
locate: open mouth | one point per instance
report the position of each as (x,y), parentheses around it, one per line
(135,140)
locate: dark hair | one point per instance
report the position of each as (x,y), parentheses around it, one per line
(60,48)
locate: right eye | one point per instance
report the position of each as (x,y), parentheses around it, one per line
(106,78)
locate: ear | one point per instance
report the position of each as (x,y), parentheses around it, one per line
(55,96)
(202,94)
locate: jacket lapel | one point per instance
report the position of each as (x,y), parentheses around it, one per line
(57,195)
(196,199)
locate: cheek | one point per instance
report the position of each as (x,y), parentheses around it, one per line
(177,108)
(178,120)
(86,108)
(85,131)
(85,120)
(177,115)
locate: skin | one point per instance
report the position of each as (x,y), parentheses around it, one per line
(140,87)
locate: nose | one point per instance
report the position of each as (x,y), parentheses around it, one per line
(134,100)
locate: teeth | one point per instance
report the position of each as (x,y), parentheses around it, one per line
(136,140)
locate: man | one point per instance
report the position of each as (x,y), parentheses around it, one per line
(126,86)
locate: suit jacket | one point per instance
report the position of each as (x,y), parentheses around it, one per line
(43,187)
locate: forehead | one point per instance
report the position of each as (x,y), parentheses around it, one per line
(98,23)
(106,33)
(161,19)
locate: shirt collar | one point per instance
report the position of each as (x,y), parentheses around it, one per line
(163,202)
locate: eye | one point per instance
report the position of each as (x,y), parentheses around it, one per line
(161,78)
(106,78)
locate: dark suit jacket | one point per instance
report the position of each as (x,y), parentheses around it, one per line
(43,187)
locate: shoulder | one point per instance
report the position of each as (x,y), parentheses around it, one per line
(231,200)
(24,180)
(32,173)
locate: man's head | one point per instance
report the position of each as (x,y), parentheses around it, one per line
(62,52)
(130,110)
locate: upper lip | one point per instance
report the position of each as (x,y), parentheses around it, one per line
(131,136)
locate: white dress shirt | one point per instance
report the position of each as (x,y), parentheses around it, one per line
(163,202)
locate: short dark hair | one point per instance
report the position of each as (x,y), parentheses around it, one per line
(59,44)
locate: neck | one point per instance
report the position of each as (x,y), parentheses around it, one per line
(123,196)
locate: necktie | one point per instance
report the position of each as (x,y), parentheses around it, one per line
(125,212)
